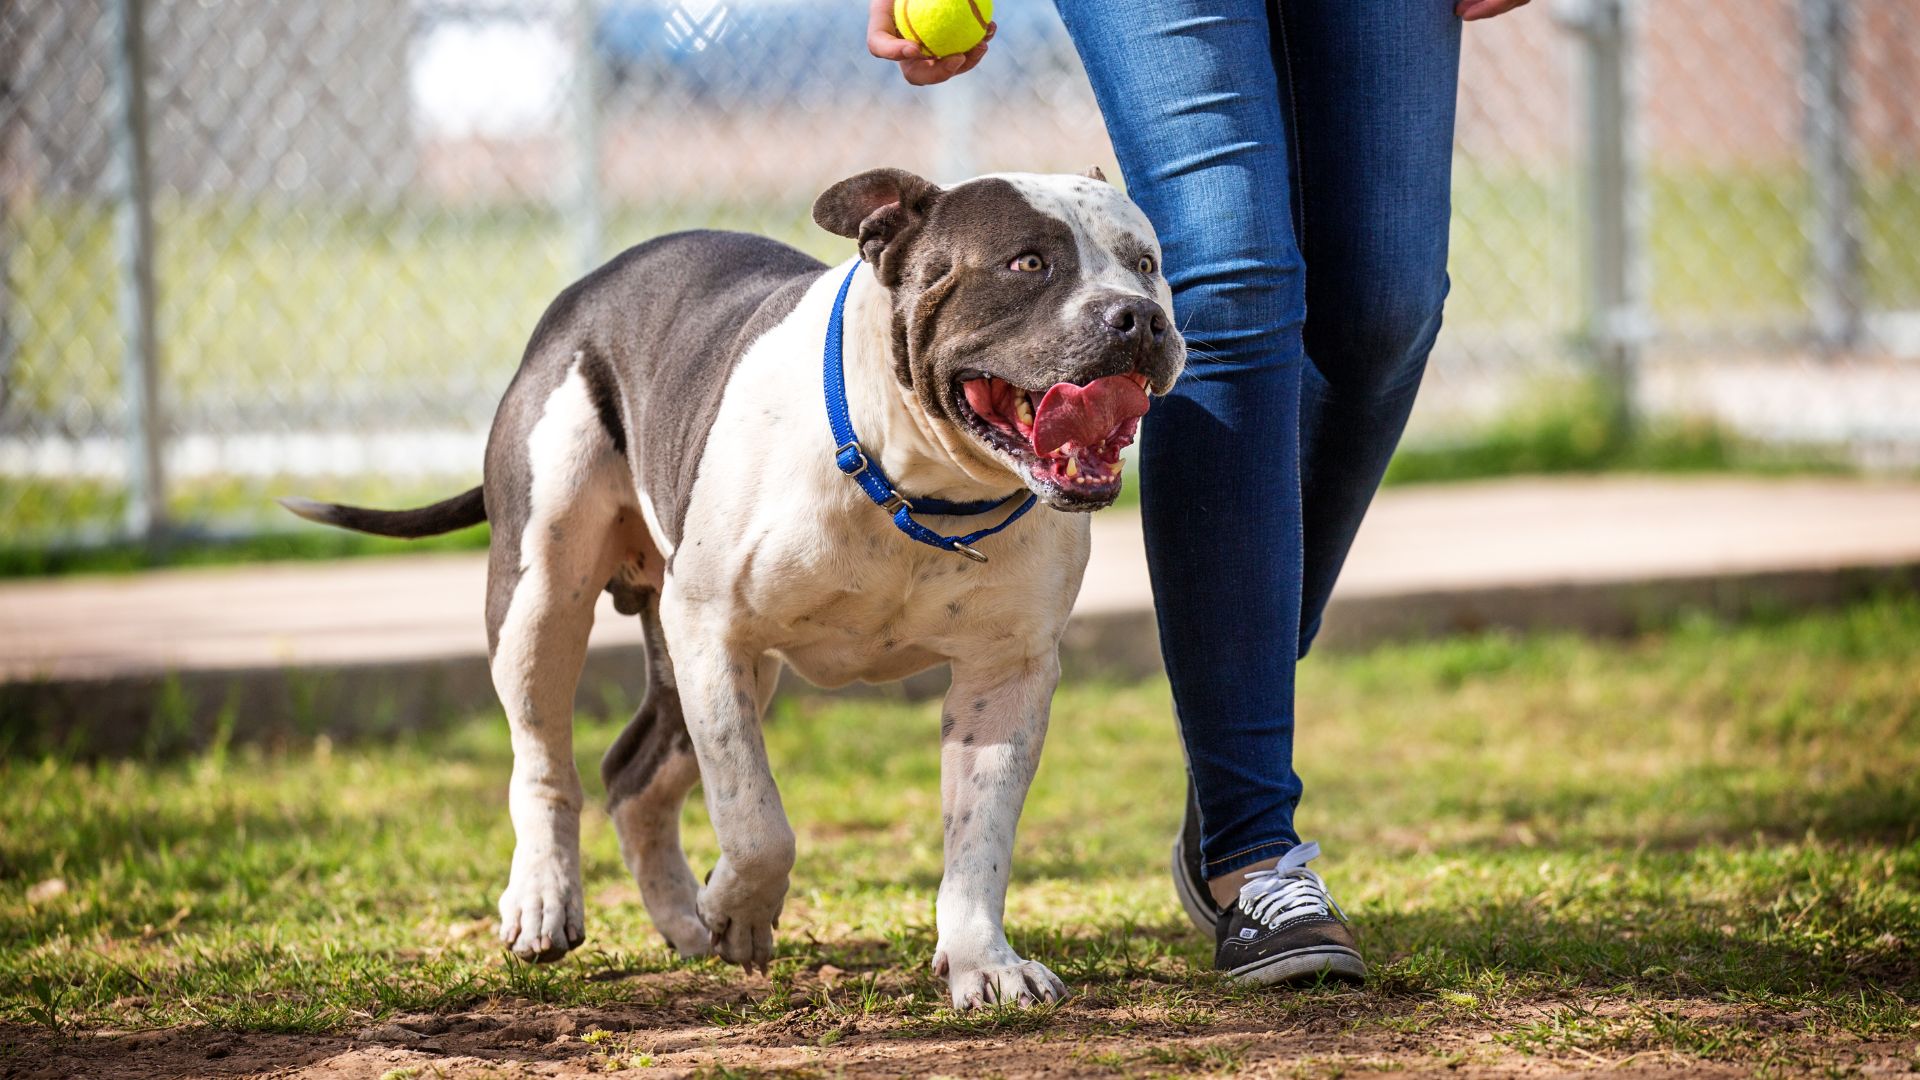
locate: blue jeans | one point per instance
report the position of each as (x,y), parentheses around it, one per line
(1295,157)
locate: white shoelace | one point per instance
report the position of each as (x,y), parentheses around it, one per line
(1287,890)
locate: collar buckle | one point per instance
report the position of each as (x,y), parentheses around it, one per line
(895,501)
(850,458)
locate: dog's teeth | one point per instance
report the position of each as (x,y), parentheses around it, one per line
(1073,467)
(1023,410)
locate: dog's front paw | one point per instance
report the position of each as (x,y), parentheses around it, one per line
(740,915)
(541,913)
(999,980)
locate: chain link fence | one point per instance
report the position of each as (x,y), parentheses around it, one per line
(259,246)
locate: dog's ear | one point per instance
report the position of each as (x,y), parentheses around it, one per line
(882,209)
(1093,173)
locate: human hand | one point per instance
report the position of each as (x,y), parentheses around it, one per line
(885,42)
(1485,9)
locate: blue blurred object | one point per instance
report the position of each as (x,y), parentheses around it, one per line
(791,50)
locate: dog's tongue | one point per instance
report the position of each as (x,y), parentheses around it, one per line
(1086,415)
(981,398)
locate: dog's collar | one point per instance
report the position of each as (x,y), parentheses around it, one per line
(852,460)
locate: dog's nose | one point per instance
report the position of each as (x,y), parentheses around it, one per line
(1137,320)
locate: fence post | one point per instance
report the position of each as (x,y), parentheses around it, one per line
(1616,325)
(133,241)
(583,202)
(955,110)
(1836,303)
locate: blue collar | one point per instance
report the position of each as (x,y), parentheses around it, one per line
(853,460)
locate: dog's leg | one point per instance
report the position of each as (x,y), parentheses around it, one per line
(721,693)
(991,728)
(648,771)
(555,497)
(543,644)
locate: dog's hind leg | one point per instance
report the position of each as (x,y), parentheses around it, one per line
(649,770)
(557,492)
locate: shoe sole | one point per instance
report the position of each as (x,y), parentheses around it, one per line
(1199,908)
(1304,966)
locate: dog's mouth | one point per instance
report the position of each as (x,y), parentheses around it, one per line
(1069,436)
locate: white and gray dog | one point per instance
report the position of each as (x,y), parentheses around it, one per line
(668,438)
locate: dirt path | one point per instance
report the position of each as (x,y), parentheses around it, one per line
(670,1030)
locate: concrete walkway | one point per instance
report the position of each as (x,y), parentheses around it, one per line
(1602,555)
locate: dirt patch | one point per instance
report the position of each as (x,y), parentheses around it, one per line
(679,1027)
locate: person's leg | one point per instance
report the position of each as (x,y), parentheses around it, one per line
(1374,84)
(1198,119)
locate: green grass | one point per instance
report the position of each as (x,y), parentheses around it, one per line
(1702,845)
(236,503)
(191,550)
(1565,427)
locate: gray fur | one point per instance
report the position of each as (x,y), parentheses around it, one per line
(664,439)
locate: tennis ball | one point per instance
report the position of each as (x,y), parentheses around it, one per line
(943,27)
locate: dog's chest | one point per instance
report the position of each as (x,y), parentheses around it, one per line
(879,620)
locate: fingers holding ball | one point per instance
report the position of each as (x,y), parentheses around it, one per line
(943,28)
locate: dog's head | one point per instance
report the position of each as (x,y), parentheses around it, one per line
(1030,316)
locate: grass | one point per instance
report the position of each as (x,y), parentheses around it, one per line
(1702,846)
(1564,427)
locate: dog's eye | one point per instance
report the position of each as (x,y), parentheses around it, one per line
(1028,264)
(1146,264)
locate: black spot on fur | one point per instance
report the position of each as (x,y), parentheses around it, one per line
(605,394)
(946,724)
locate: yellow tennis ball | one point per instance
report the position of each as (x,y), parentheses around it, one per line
(943,27)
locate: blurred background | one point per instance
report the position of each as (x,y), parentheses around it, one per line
(259,247)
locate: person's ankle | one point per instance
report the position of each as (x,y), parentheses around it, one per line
(1226,887)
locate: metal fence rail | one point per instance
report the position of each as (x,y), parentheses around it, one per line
(258,245)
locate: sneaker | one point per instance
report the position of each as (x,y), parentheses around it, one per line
(1285,928)
(1189,880)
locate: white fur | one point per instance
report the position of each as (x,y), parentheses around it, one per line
(577,488)
(1105,223)
(783,560)
(783,555)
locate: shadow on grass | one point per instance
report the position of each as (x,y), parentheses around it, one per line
(1698,950)
(1708,805)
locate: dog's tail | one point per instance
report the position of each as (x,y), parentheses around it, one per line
(466,509)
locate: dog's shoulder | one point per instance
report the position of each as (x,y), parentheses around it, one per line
(663,325)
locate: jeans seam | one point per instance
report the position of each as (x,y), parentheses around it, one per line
(1295,189)
(1281,844)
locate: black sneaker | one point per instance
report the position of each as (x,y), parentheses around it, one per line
(1189,877)
(1284,928)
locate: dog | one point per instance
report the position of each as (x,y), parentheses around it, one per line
(671,436)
